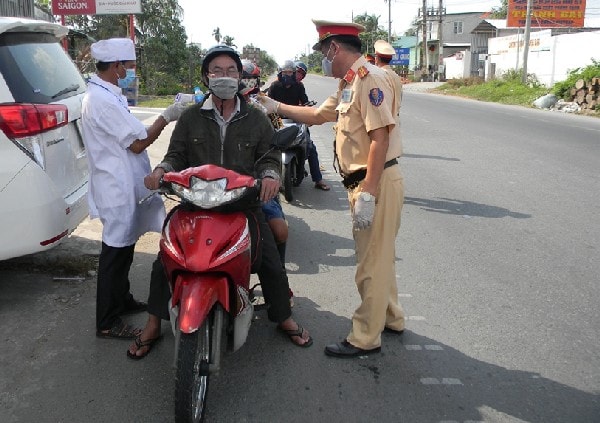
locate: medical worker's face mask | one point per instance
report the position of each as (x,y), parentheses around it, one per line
(129,78)
(327,64)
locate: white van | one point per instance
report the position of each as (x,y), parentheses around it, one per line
(43,165)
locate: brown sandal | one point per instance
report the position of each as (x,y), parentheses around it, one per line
(119,330)
(322,185)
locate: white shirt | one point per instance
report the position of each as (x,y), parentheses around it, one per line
(116,173)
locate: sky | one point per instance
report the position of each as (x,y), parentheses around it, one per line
(284,29)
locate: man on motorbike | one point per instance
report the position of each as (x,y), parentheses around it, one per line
(225,130)
(288,90)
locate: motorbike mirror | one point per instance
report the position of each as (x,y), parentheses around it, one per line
(283,138)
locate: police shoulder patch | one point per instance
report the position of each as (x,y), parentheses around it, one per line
(376,97)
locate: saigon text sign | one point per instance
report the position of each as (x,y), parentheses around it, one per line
(96,7)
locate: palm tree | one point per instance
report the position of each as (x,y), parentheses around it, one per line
(217,34)
(228,41)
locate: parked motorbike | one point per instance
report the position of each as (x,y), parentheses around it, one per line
(206,251)
(293,158)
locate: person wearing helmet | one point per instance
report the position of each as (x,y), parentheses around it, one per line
(250,82)
(225,130)
(288,90)
(301,71)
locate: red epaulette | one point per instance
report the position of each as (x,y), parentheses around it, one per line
(349,76)
(362,72)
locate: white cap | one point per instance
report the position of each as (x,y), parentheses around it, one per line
(383,48)
(113,50)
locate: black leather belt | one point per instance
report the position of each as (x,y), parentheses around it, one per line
(352,180)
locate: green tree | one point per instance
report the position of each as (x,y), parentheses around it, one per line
(163,48)
(500,12)
(217,34)
(372,33)
(228,41)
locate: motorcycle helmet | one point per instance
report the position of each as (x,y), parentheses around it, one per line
(301,71)
(287,73)
(250,82)
(217,51)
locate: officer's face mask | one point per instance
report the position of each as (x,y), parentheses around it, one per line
(224,87)
(327,64)
(129,78)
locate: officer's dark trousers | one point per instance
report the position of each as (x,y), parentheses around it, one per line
(272,276)
(112,291)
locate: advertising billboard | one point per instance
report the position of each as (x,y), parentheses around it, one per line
(96,7)
(402,57)
(547,13)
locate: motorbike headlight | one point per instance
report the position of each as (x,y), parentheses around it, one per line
(208,194)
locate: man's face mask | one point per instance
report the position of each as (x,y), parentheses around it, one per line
(129,78)
(327,64)
(223,87)
(287,79)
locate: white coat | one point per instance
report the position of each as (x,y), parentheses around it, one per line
(116,182)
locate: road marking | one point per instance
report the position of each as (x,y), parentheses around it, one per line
(443,381)
(434,347)
(426,347)
(415,318)
(404,295)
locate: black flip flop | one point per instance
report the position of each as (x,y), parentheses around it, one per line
(141,344)
(291,333)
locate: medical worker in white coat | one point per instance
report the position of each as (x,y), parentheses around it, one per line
(116,145)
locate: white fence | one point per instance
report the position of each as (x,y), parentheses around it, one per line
(550,58)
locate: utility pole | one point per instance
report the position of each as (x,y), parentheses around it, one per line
(389,21)
(440,33)
(527,37)
(424,55)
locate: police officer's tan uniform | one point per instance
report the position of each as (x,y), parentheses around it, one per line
(383,49)
(366,101)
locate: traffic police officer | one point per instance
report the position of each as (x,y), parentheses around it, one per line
(366,148)
(384,53)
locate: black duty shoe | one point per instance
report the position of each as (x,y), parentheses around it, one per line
(345,349)
(393,331)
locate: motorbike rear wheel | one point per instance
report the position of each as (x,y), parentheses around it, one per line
(191,383)
(289,171)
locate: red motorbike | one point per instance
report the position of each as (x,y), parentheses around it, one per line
(207,254)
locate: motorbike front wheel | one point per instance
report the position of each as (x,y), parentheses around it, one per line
(191,383)
(289,171)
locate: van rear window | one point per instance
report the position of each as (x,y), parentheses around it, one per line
(37,69)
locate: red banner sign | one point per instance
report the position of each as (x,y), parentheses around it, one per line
(547,13)
(96,7)
(73,7)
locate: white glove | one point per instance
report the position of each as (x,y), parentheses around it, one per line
(173,112)
(270,105)
(363,212)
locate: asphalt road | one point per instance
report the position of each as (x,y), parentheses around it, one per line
(497,263)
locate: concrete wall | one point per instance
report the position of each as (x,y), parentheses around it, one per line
(550,58)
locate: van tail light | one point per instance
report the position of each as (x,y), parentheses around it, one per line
(23,123)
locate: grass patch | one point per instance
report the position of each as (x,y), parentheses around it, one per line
(505,91)
(155,101)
